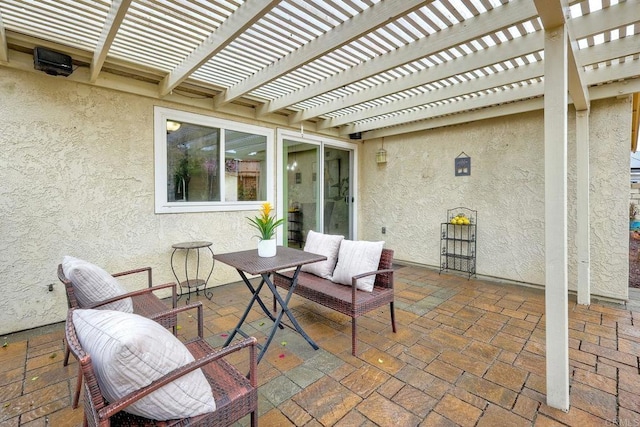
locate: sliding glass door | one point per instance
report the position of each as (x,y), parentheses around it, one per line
(317,189)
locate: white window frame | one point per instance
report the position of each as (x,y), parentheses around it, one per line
(162,205)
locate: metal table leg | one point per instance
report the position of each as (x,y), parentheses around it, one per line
(284,304)
(257,292)
(237,329)
(255,296)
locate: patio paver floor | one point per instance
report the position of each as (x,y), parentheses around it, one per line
(467,352)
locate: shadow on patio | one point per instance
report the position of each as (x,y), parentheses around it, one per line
(467,352)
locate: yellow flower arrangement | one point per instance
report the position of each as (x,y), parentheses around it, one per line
(266,223)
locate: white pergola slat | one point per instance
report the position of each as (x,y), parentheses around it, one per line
(618,48)
(621,88)
(453,36)
(112,24)
(369,20)
(4,50)
(475,86)
(592,77)
(239,22)
(477,60)
(456,107)
(344,65)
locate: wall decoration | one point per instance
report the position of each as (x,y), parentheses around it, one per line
(298,178)
(463,164)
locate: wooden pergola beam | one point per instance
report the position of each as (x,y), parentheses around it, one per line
(4,50)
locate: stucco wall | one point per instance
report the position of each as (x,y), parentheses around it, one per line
(411,193)
(610,127)
(77,177)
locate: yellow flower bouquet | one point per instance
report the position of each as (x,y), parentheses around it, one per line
(266,223)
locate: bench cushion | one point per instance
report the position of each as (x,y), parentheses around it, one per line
(130,351)
(322,244)
(357,257)
(334,296)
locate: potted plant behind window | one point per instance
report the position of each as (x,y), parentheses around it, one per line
(183,172)
(266,224)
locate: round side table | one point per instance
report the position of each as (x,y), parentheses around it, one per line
(190,282)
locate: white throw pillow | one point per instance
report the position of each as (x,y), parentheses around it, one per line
(129,351)
(91,284)
(357,257)
(322,244)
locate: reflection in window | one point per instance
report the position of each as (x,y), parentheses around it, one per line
(192,163)
(193,156)
(245,166)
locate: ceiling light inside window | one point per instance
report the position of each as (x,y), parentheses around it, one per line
(173,126)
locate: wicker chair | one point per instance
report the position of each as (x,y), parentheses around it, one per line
(235,395)
(145,303)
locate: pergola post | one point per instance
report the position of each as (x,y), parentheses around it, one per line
(555,159)
(583,217)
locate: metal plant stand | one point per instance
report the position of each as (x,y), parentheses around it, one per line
(190,282)
(458,238)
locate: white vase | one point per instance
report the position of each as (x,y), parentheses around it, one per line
(267,248)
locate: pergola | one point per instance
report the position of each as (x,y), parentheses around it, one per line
(366,69)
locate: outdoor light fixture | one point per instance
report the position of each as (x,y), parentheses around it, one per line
(173,126)
(381,154)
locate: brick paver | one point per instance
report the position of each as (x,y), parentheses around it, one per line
(467,352)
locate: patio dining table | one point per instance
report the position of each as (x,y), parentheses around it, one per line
(248,262)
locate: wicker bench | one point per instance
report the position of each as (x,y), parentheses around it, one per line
(347,300)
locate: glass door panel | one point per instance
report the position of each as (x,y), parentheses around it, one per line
(317,189)
(337,192)
(302,187)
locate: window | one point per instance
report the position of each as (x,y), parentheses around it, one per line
(209,164)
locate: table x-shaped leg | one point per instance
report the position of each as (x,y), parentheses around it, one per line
(284,304)
(255,292)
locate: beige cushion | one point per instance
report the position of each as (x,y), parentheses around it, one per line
(322,244)
(357,257)
(91,284)
(129,351)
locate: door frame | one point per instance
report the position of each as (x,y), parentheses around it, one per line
(321,141)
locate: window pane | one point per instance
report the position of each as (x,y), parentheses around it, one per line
(207,164)
(192,162)
(245,166)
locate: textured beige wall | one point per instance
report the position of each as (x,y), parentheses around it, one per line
(77,178)
(411,193)
(609,129)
